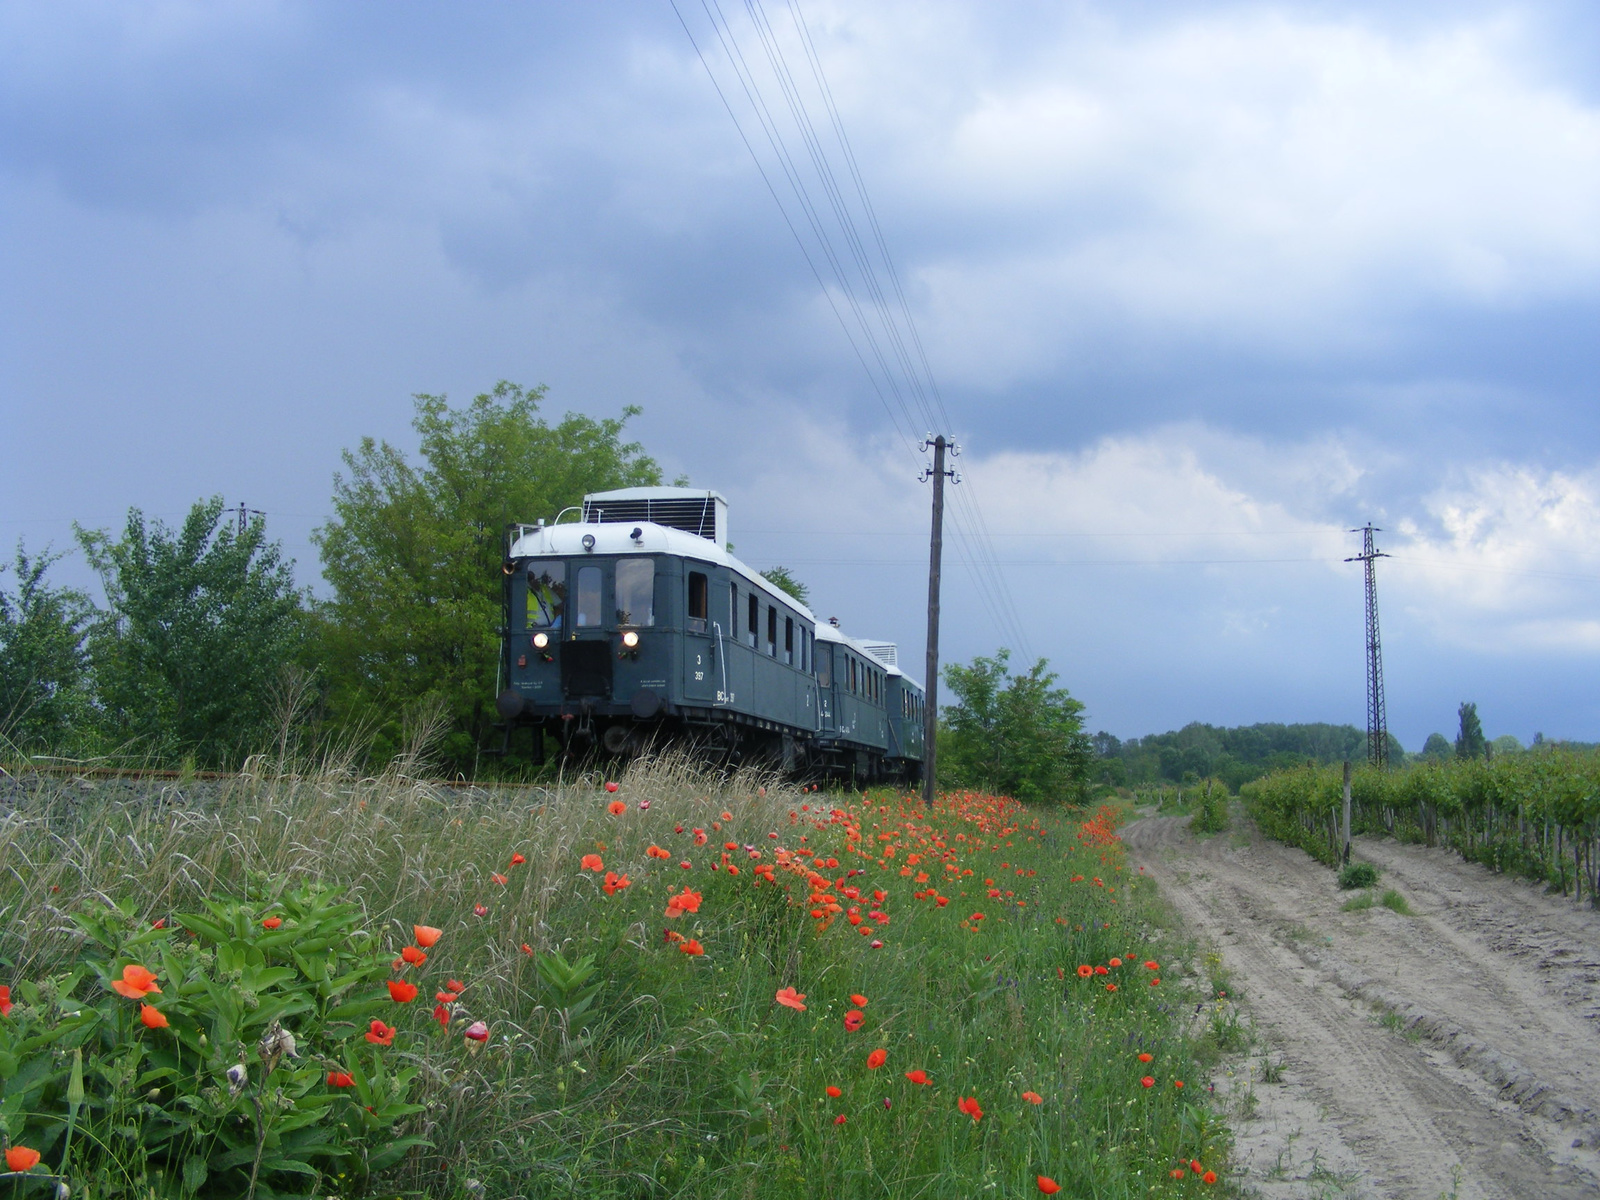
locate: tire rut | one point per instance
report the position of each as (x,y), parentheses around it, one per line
(1413,1118)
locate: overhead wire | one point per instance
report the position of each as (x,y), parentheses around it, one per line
(887,344)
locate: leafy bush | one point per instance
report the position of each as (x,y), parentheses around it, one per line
(228,1062)
(1211,810)
(1358,875)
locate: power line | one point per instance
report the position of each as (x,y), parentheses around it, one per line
(882,334)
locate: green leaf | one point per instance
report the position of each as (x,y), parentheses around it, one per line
(195,1173)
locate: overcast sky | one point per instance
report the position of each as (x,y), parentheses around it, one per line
(1202,286)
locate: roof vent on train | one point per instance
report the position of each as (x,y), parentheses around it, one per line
(692,510)
(886,652)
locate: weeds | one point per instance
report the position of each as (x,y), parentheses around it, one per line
(1357,903)
(1395,902)
(1357,875)
(600,1048)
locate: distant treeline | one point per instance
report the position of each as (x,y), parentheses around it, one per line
(1237,755)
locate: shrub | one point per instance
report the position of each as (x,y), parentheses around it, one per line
(1358,875)
(1393,900)
(208,1054)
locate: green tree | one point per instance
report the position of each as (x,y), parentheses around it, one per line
(201,623)
(1470,742)
(1019,735)
(44,699)
(1437,747)
(783,579)
(414,552)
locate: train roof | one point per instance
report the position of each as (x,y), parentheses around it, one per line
(828,632)
(612,538)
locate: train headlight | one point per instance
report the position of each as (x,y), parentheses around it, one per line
(541,640)
(588,541)
(630,639)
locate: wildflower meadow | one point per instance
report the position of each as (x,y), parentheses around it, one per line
(671,983)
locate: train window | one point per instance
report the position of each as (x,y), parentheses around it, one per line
(733,611)
(772,630)
(754,630)
(547,597)
(788,640)
(852,674)
(825,669)
(588,591)
(636,591)
(699,601)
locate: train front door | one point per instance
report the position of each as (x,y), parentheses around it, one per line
(699,647)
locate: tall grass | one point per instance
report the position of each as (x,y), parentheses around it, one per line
(683,1076)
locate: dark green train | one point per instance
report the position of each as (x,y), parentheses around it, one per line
(632,626)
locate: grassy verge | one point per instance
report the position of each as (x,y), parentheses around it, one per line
(691,986)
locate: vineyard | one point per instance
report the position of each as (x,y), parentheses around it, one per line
(1535,814)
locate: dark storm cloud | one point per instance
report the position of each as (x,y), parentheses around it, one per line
(1259,269)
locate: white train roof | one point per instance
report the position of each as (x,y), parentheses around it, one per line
(827,632)
(566,541)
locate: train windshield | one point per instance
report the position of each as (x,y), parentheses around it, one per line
(588,597)
(636,591)
(547,597)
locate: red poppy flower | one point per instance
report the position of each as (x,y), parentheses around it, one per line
(152,1017)
(1177,1083)
(833,1091)
(1101,971)
(380,1034)
(1194,1165)
(413,956)
(1116,962)
(874,944)
(969,1105)
(616,808)
(272,922)
(1085,971)
(876,1059)
(5,1000)
(1152,965)
(426,935)
(517,860)
(1154,982)
(402,992)
(853,1020)
(480,910)
(455,985)
(1048,1186)
(21,1158)
(1111,987)
(527,949)
(919,1076)
(498,878)
(686,901)
(691,947)
(136,982)
(839,1120)
(1209,1177)
(1033,1097)
(477,1032)
(441,1014)
(1148,1082)
(790,998)
(1178,1172)
(592,862)
(1146,1057)
(340,1079)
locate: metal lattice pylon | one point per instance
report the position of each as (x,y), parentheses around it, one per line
(1377,717)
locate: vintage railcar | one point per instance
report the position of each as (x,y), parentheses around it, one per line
(633,625)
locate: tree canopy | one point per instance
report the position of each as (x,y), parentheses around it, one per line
(413,552)
(201,622)
(1019,735)
(784,580)
(43,662)
(1470,742)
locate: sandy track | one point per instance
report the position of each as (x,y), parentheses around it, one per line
(1453,1052)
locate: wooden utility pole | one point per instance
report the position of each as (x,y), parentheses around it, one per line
(930,713)
(1346,857)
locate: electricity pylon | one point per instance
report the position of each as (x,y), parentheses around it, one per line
(1377,717)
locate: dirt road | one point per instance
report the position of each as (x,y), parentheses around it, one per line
(1454,1052)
